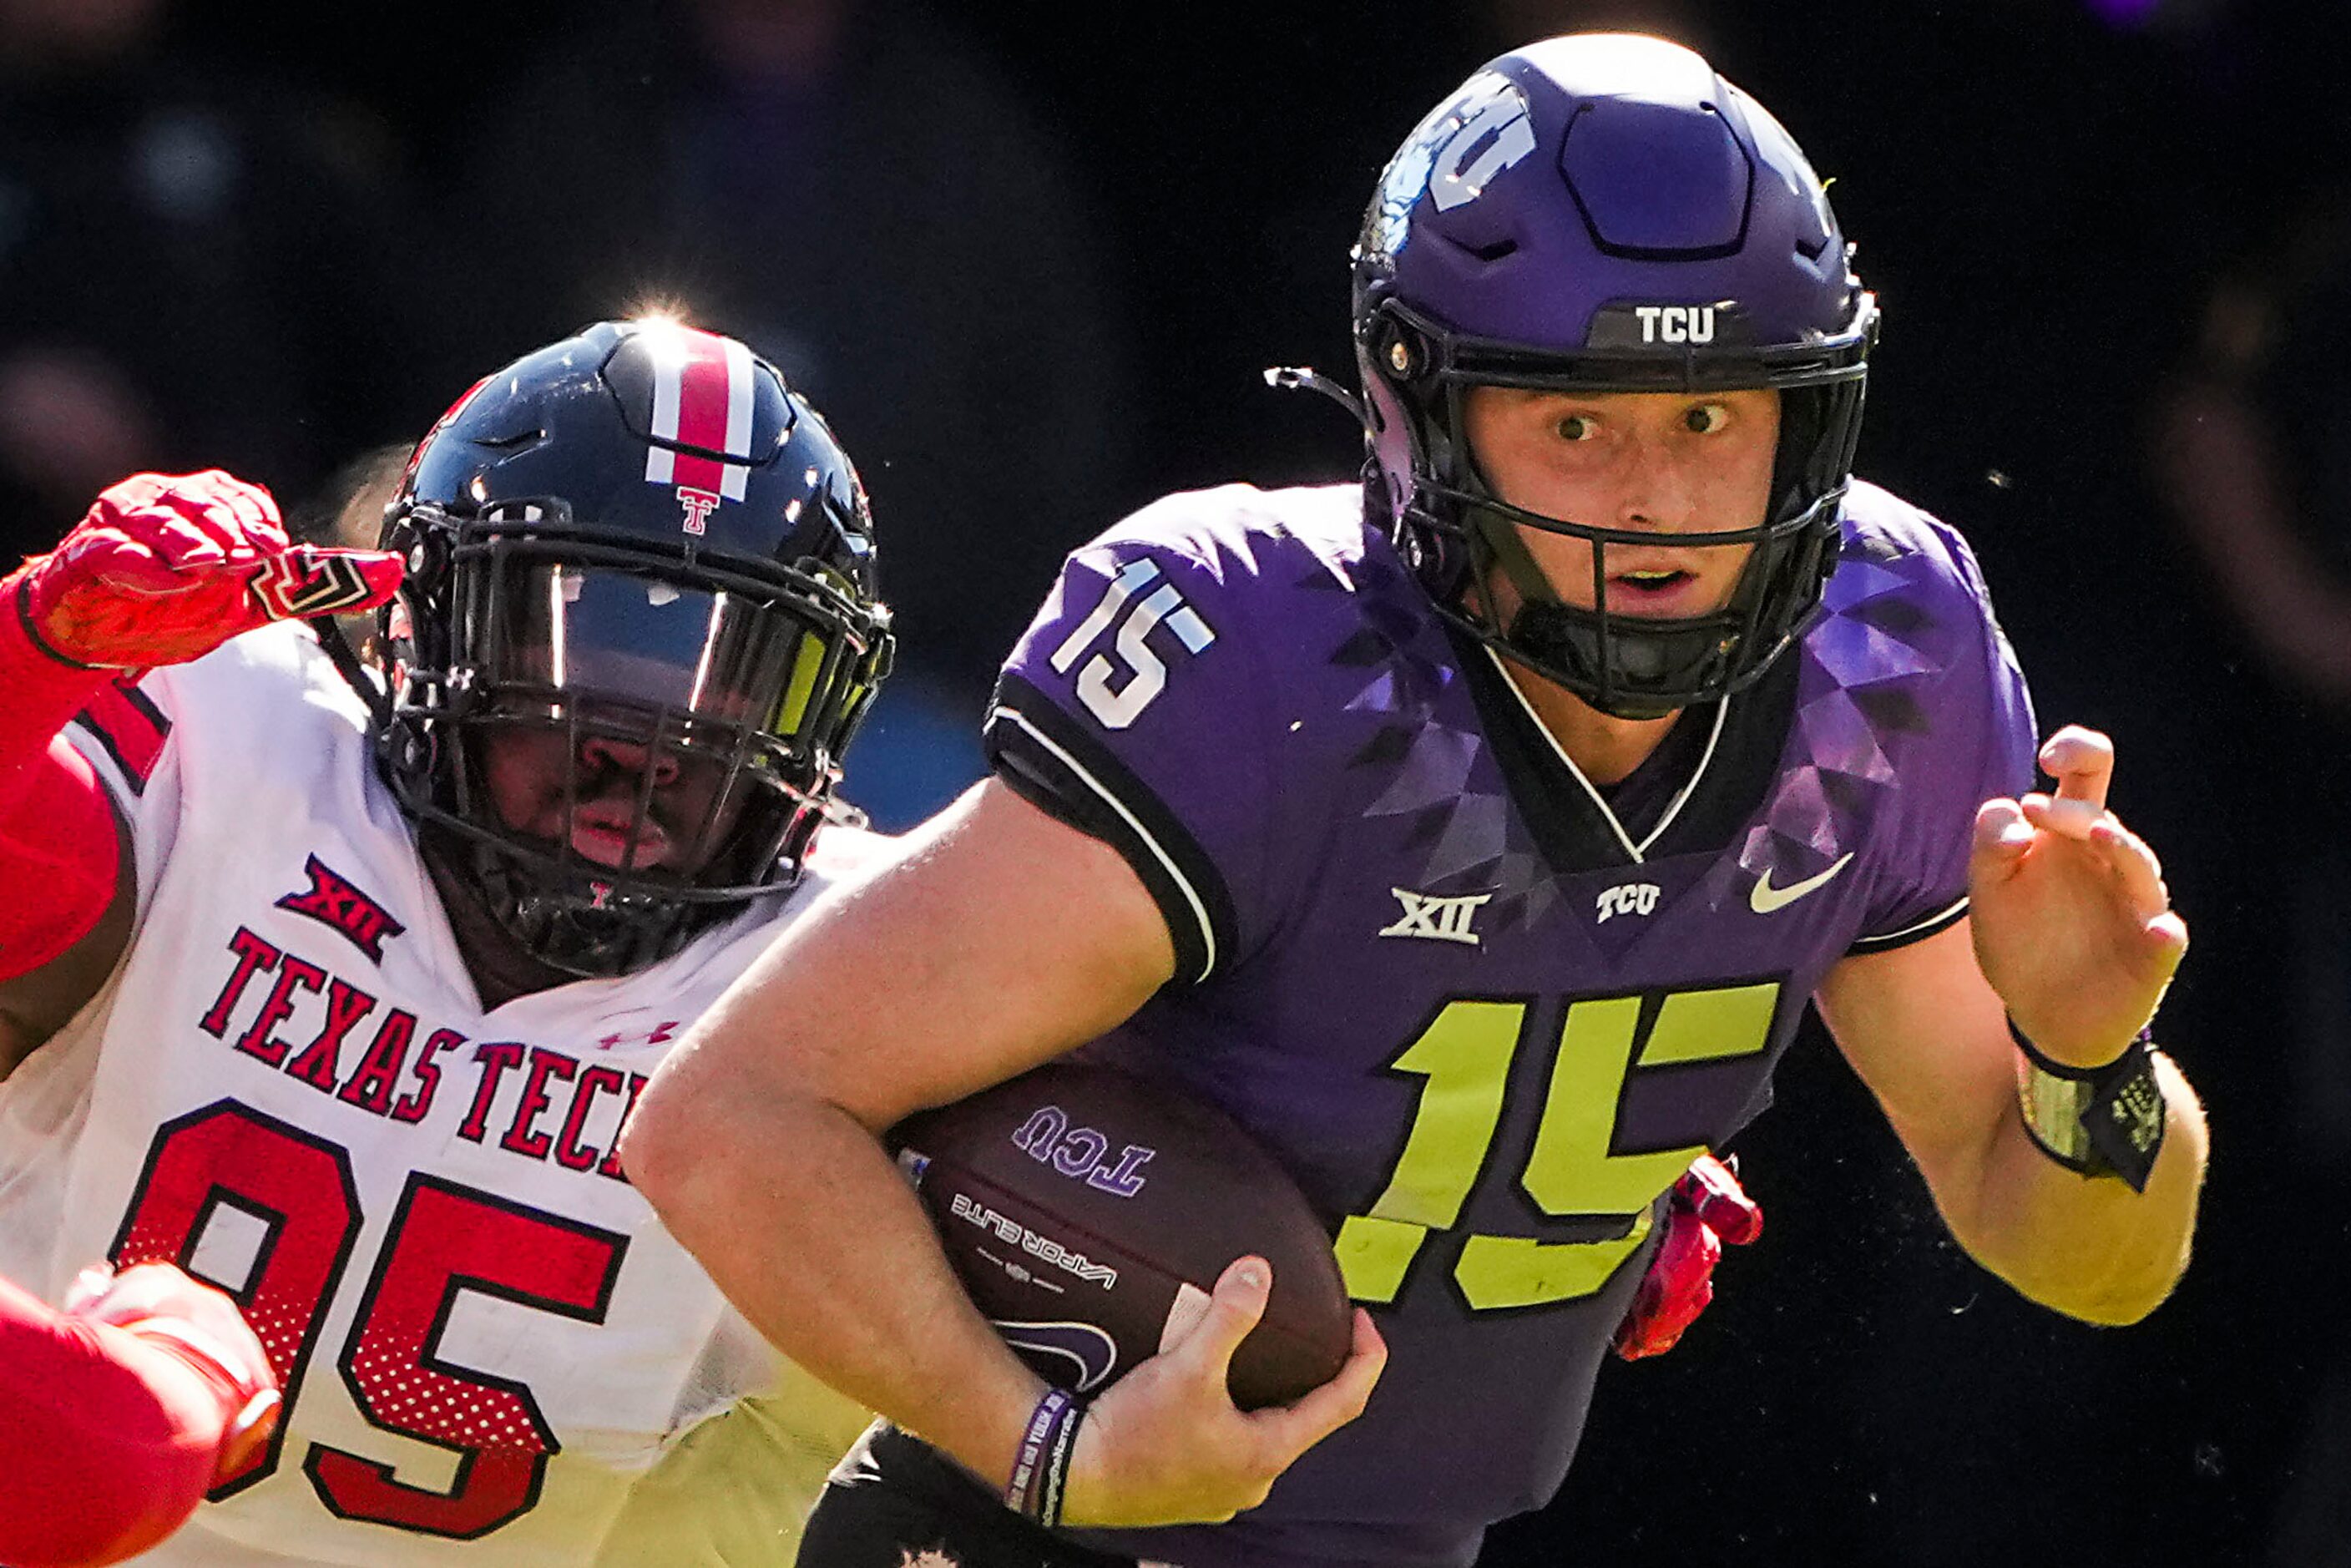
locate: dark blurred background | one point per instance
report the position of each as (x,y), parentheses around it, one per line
(1030,259)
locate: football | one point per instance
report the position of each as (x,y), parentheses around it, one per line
(1089,1211)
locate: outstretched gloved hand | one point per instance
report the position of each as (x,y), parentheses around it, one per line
(1706,1207)
(165,567)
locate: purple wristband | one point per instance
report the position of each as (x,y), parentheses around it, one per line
(1041,1467)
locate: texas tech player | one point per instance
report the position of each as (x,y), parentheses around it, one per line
(348,1023)
(1476,835)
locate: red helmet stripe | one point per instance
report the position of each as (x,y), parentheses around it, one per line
(702,397)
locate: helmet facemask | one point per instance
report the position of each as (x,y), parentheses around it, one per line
(1460,535)
(687,716)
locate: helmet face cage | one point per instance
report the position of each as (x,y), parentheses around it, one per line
(778,677)
(1532,248)
(689,687)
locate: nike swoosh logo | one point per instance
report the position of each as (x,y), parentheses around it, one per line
(1765,898)
(1065,1348)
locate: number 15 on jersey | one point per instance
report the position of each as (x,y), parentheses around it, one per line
(1465,1057)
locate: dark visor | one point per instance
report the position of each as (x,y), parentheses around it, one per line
(621,637)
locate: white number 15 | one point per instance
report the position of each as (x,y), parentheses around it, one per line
(1146,674)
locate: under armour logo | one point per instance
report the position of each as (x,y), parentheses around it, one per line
(698,505)
(1438,919)
(661,1033)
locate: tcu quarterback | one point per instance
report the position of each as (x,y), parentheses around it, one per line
(334,986)
(1476,835)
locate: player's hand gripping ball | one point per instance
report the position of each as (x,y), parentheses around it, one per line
(1088,1213)
(1706,1207)
(179,1313)
(165,567)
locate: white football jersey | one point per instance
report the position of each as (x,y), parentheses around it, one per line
(290,1088)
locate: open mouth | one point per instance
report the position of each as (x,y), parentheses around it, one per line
(1657,591)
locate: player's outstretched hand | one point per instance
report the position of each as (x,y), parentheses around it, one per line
(2073,924)
(1165,1444)
(166,567)
(175,1312)
(1706,1207)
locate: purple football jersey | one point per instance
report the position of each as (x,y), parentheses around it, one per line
(1485,1013)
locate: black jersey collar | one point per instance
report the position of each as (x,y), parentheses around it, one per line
(1726,754)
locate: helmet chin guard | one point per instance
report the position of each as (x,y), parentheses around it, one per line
(1640,667)
(1602,213)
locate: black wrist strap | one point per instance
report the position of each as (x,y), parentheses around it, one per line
(2098,1121)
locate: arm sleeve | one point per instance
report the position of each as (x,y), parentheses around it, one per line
(58,854)
(1134,709)
(1976,741)
(106,1442)
(59,859)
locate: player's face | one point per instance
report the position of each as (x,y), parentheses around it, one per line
(527,771)
(1661,464)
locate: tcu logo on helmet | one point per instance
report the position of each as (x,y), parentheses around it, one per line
(1455,152)
(1498,133)
(1675,323)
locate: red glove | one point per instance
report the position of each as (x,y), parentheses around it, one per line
(165,567)
(1706,1207)
(174,1312)
(117,1415)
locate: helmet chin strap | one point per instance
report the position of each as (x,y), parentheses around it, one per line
(581,934)
(1543,631)
(502,968)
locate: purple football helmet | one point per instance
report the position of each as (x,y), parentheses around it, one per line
(1602,213)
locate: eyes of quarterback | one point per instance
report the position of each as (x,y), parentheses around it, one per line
(1698,419)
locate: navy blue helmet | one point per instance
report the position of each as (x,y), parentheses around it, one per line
(1602,213)
(637,544)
